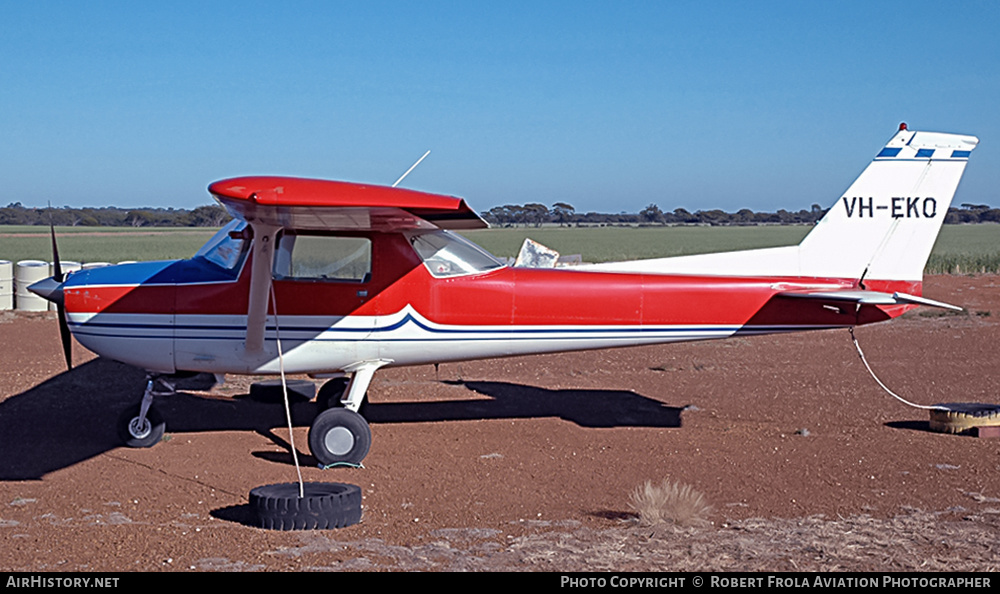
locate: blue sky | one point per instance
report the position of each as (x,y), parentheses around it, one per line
(608,106)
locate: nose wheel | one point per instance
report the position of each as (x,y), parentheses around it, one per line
(138,431)
(142,426)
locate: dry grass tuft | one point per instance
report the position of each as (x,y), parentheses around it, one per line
(669,503)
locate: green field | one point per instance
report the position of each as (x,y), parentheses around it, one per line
(966,249)
(960,248)
(101,244)
(609,244)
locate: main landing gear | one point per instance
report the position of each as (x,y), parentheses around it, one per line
(339,435)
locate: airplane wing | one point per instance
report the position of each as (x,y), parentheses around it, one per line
(310,204)
(869,298)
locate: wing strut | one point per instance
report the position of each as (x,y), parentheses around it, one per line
(260,284)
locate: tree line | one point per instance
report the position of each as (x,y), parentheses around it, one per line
(211,215)
(509,215)
(561,213)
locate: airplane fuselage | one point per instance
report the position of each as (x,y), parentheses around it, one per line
(191,315)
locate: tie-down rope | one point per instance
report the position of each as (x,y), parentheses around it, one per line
(891,393)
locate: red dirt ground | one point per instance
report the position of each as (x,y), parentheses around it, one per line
(528,463)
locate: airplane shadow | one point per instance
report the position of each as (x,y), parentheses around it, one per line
(65,419)
(72,417)
(587,408)
(923,426)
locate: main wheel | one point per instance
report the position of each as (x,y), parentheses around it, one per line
(323,505)
(141,435)
(339,436)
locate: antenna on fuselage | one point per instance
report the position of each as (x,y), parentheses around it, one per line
(412,167)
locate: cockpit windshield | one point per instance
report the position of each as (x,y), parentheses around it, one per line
(223,250)
(446,254)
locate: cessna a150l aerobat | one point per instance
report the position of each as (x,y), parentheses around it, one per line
(352,278)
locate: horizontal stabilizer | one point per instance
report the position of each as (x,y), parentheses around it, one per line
(870,298)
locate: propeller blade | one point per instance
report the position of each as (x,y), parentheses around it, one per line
(55,252)
(64,335)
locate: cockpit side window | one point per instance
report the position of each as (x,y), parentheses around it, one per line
(323,258)
(445,254)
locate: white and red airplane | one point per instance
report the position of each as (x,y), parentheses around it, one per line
(353,278)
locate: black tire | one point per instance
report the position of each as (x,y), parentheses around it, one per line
(146,436)
(271,391)
(331,392)
(324,506)
(339,436)
(962,417)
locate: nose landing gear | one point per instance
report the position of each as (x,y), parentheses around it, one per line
(142,426)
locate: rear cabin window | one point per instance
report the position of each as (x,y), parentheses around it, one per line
(323,258)
(445,254)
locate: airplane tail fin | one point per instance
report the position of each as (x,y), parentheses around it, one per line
(882,228)
(885,225)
